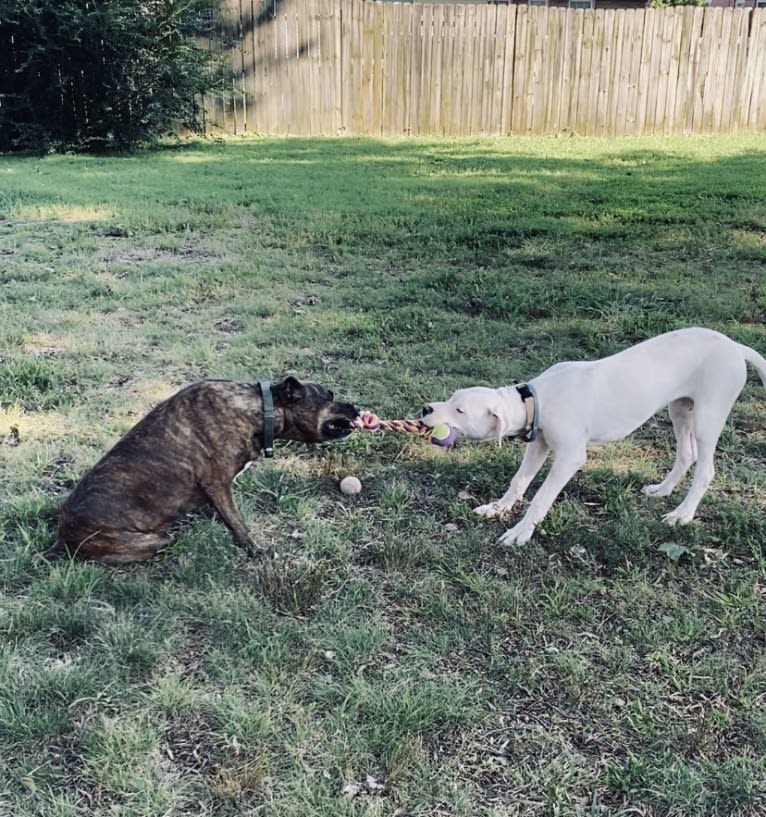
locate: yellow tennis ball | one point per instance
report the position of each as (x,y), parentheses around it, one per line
(443,434)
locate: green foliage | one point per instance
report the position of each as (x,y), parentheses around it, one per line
(99,74)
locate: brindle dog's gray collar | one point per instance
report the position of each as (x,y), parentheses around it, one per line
(268,417)
(532,405)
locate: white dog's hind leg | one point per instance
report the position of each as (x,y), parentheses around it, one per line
(532,461)
(703,476)
(564,467)
(682,416)
(709,418)
(707,429)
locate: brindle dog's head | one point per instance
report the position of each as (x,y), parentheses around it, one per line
(311,414)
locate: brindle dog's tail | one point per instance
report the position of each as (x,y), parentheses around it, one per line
(56,551)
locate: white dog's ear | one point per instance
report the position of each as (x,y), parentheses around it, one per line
(499,424)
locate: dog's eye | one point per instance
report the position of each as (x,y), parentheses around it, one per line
(459,411)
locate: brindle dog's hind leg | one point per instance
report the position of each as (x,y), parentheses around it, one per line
(114,547)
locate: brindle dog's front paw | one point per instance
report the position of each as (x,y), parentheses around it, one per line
(260,554)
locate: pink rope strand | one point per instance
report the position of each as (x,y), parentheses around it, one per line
(368,421)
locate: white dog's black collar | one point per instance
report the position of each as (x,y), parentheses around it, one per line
(531,404)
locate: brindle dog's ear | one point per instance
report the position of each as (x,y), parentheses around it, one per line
(291,389)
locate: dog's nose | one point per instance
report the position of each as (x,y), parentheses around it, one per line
(426,411)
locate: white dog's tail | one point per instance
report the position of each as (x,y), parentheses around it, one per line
(755,360)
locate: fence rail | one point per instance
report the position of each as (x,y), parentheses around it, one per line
(325,67)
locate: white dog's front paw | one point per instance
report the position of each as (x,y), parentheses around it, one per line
(660,489)
(491,509)
(677,517)
(517,535)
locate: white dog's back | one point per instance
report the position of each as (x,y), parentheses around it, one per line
(621,392)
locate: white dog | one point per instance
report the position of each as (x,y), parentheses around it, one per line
(697,373)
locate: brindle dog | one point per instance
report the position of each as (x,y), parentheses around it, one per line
(185,452)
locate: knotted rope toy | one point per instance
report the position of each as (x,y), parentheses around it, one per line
(441,434)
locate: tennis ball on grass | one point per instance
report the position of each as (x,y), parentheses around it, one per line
(350,486)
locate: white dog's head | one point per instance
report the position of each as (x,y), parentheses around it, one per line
(478,413)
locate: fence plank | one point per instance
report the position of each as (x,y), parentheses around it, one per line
(232,120)
(735,73)
(753,93)
(402,46)
(448,69)
(373,102)
(620,58)
(585,115)
(557,49)
(332,48)
(538,77)
(418,94)
(291,73)
(392,104)
(570,75)
(311,78)
(467,42)
(540,52)
(431,78)
(521,77)
(483,89)
(495,70)
(607,73)
(705,105)
(665,80)
(354,76)
(688,36)
(508,69)
(263,57)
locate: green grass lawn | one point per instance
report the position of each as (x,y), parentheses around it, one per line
(395,660)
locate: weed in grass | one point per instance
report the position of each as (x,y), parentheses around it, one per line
(627,776)
(396,553)
(275,491)
(240,778)
(735,781)
(34,705)
(133,645)
(65,626)
(294,588)
(121,761)
(35,385)
(68,582)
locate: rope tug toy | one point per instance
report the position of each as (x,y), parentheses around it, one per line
(441,434)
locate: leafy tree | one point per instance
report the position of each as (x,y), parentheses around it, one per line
(100,74)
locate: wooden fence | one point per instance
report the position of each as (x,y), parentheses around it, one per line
(325,67)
